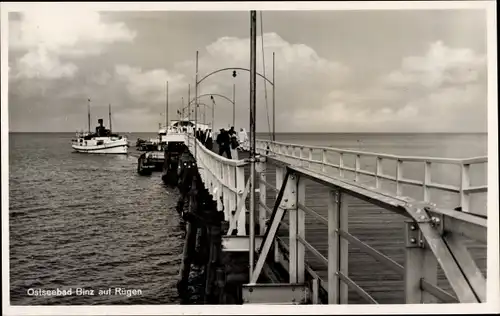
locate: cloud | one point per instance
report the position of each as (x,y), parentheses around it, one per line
(442,90)
(150,84)
(41,63)
(303,77)
(294,62)
(48,35)
(297,67)
(440,66)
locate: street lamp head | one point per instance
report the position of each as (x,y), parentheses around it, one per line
(211,97)
(234,73)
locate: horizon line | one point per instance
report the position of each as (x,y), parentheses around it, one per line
(149,132)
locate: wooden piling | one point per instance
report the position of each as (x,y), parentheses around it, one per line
(203,239)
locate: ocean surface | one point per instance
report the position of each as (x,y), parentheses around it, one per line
(91,222)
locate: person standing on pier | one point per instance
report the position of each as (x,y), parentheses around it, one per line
(231,132)
(243,138)
(209,140)
(234,143)
(223,141)
(202,137)
(198,134)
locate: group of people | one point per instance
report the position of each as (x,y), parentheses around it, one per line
(205,137)
(228,141)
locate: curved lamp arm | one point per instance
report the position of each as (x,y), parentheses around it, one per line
(233,68)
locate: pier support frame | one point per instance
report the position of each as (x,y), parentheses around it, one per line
(279,175)
(276,294)
(458,266)
(420,263)
(261,174)
(338,250)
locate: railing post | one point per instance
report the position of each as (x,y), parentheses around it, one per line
(343,252)
(315,291)
(357,167)
(232,197)
(324,160)
(427,180)
(420,263)
(337,248)
(341,164)
(301,229)
(279,183)
(240,187)
(301,155)
(464,185)
(261,172)
(220,191)
(310,157)
(226,192)
(399,176)
(333,264)
(291,195)
(378,172)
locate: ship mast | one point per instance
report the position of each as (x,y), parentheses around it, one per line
(110,129)
(88,110)
(253,77)
(166,109)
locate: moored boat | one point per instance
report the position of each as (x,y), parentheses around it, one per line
(103,141)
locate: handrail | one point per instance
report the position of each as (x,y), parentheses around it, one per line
(471,160)
(465,189)
(227,161)
(436,223)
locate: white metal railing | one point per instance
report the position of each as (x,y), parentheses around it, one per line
(420,268)
(303,155)
(225,179)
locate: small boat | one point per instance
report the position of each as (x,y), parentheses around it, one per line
(145,166)
(103,141)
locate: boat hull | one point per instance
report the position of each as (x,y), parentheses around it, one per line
(113,148)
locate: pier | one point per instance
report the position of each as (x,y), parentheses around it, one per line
(333,232)
(294,224)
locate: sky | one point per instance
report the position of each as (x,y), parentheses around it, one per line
(335,71)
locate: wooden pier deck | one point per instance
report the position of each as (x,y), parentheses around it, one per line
(380,229)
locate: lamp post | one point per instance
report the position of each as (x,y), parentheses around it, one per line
(274,104)
(189,103)
(196,107)
(234,107)
(213,111)
(253,77)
